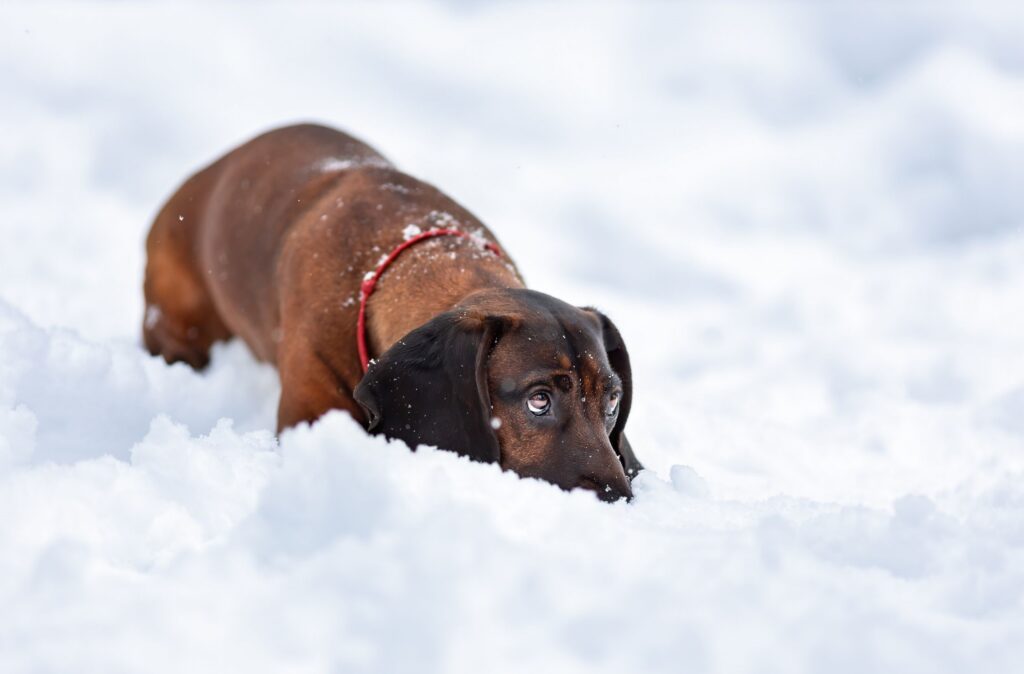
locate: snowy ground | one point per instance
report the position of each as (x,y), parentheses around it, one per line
(807,222)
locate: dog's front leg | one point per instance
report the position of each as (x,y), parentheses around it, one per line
(310,387)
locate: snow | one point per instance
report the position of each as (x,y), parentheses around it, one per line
(334,164)
(807,221)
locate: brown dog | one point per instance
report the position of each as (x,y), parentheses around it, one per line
(272,242)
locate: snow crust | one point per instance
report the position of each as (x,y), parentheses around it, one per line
(807,222)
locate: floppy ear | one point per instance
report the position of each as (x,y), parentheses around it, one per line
(430,388)
(618,357)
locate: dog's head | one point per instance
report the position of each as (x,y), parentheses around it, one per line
(515,377)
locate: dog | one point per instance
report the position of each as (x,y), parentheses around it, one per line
(319,254)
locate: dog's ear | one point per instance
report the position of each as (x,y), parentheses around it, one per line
(618,358)
(430,388)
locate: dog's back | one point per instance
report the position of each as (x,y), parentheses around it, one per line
(226,223)
(271,243)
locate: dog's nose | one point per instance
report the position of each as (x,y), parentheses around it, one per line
(608,490)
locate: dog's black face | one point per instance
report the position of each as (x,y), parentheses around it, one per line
(515,377)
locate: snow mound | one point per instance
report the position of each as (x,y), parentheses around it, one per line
(335,551)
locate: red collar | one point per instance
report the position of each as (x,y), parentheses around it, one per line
(370,281)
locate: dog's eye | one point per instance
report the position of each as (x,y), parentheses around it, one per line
(613,404)
(539,403)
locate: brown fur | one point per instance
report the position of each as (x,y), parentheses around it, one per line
(271,242)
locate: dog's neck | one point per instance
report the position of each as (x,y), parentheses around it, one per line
(428,280)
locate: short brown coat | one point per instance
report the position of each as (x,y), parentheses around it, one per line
(271,242)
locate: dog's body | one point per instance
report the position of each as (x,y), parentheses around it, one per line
(271,243)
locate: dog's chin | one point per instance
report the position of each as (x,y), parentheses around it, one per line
(606,493)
